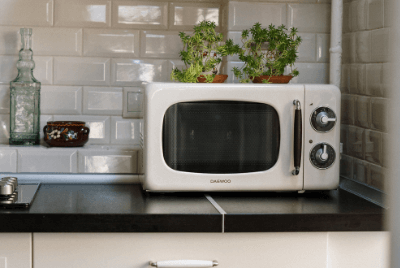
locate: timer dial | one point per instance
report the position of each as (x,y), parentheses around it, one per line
(322,156)
(323,119)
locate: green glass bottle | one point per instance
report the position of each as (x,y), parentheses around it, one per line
(25,97)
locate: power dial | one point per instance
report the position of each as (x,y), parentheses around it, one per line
(323,119)
(322,156)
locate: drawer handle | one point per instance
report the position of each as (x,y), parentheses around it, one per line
(184,263)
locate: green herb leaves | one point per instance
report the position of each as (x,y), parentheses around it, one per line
(267,51)
(202,52)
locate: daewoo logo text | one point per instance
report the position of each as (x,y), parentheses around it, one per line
(220,181)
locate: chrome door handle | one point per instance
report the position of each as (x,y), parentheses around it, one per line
(183,264)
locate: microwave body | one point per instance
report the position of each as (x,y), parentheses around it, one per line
(240,137)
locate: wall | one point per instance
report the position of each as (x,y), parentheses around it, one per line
(364,89)
(92,55)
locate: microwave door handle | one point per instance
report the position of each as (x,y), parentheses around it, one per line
(297,138)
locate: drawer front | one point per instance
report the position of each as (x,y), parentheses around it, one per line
(136,250)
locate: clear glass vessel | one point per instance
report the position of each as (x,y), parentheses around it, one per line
(25,97)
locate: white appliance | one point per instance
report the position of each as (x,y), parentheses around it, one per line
(241,137)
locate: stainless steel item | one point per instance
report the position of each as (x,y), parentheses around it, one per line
(183,263)
(6,188)
(12,180)
(14,195)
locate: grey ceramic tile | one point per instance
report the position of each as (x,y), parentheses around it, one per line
(373,147)
(362,113)
(379,118)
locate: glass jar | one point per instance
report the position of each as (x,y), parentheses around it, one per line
(25,97)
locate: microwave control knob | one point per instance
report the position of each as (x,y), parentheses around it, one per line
(323,119)
(322,156)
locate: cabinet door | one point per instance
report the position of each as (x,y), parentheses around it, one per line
(135,250)
(15,250)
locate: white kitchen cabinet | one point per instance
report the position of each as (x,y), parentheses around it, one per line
(15,250)
(231,250)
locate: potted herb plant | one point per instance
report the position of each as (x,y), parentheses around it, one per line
(202,55)
(266,52)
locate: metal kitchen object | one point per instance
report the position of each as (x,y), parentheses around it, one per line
(14,195)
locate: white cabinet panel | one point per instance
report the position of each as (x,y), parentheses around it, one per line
(135,250)
(358,249)
(15,250)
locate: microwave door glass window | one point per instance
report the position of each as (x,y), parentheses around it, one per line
(221,137)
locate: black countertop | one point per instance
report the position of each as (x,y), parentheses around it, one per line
(126,208)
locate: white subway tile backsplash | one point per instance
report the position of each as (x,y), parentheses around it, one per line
(386,77)
(133,102)
(131,72)
(362,113)
(82,71)
(379,118)
(314,18)
(102,101)
(362,79)
(8,160)
(22,12)
(99,127)
(307,50)
(4,128)
(111,42)
(183,16)
(61,100)
(125,131)
(43,71)
(236,37)
(43,122)
(363,46)
(160,44)
(107,161)
(57,41)
(312,73)
(375,14)
(387,12)
(358,15)
(380,45)
(353,79)
(10,40)
(244,15)
(346,18)
(143,15)
(349,48)
(8,69)
(172,64)
(4,99)
(47,160)
(88,13)
(323,45)
(374,80)
(345,79)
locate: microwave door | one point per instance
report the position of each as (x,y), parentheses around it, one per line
(221,137)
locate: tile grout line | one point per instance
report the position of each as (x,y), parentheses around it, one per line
(219,208)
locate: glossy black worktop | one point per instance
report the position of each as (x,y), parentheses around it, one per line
(126,208)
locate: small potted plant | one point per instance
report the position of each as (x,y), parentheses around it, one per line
(202,55)
(266,52)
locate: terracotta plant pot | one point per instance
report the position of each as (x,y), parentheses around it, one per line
(281,79)
(219,78)
(66,133)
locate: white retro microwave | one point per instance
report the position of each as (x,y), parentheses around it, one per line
(241,137)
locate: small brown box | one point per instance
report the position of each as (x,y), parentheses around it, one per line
(66,133)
